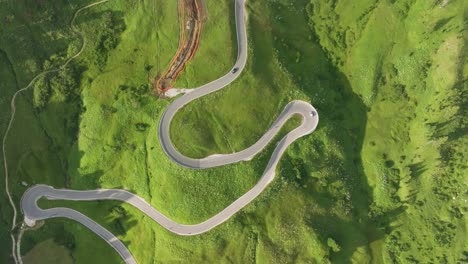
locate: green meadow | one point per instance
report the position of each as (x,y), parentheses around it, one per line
(381,180)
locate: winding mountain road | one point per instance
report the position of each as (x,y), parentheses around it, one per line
(32,212)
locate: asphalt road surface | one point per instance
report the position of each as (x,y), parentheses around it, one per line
(32,212)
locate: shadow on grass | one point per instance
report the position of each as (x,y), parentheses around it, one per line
(417,169)
(343,116)
(65,232)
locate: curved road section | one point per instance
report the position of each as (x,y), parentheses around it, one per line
(32,212)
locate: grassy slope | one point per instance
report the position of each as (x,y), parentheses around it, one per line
(405,60)
(327,182)
(25,43)
(48,252)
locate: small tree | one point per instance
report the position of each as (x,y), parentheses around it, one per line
(65,83)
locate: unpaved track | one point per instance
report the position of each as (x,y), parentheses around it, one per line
(33,213)
(17,257)
(191,24)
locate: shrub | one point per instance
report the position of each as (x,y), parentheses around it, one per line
(41,93)
(333,245)
(66,83)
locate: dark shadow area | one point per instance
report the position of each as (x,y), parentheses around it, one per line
(455,126)
(343,116)
(42,144)
(105,34)
(29,33)
(8,87)
(441,23)
(417,169)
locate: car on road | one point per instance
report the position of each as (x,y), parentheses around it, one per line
(235,69)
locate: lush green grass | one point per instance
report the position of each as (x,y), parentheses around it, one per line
(380,181)
(405,60)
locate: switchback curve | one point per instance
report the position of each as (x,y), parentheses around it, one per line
(33,213)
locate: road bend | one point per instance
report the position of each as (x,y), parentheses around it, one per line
(32,212)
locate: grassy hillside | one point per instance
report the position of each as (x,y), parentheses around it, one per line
(380,181)
(406,61)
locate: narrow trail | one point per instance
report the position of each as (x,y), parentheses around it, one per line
(190,27)
(33,213)
(16,258)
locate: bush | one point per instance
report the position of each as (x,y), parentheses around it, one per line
(41,93)
(108,33)
(333,245)
(141,126)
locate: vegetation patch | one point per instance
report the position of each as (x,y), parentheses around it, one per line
(49,252)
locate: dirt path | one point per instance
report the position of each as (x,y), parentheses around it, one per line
(15,252)
(192,14)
